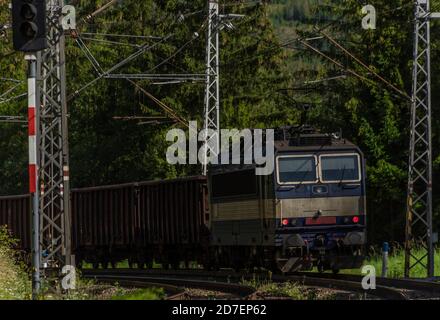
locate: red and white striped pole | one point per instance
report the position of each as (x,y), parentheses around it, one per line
(33,170)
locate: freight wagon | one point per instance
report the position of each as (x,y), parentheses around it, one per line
(15,213)
(163,221)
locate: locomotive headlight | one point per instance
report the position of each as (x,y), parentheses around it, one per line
(319,190)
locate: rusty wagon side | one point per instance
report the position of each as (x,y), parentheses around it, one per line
(166,221)
(163,221)
(15,213)
(173,220)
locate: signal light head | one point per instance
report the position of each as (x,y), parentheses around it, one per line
(285,222)
(29,30)
(28,11)
(29,25)
(355,219)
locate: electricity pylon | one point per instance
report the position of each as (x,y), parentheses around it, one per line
(54,208)
(419,197)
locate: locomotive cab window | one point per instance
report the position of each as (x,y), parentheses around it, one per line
(234,184)
(296,169)
(340,168)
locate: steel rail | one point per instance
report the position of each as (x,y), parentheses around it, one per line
(242,291)
(172,292)
(383,290)
(408,284)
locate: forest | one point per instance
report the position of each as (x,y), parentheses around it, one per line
(268,79)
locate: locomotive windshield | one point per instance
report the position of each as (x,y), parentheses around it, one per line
(296,169)
(340,168)
(335,168)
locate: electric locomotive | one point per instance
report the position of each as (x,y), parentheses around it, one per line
(311,212)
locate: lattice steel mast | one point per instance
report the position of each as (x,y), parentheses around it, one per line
(419,197)
(212,90)
(54,166)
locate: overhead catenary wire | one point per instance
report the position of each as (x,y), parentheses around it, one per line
(195,36)
(13,98)
(89,55)
(9,90)
(8,54)
(116,35)
(166,60)
(156,122)
(341,76)
(87,52)
(133,56)
(180,49)
(13,119)
(388,83)
(97,67)
(119,43)
(339,64)
(167,109)
(275,45)
(99,10)
(102,74)
(146,119)
(138,117)
(10,80)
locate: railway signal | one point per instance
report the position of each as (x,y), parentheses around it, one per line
(29,25)
(48,144)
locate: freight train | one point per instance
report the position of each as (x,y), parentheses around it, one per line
(311,212)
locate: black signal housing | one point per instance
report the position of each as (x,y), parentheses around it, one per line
(29,25)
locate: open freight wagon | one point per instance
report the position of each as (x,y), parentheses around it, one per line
(15,213)
(163,221)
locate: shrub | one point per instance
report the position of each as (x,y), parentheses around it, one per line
(14,281)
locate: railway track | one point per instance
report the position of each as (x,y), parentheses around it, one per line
(172,292)
(405,284)
(171,283)
(228,281)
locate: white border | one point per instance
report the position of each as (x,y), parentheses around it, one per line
(329,155)
(298,156)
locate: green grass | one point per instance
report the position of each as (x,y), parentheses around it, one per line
(15,283)
(141,294)
(290,289)
(287,289)
(267,287)
(396,264)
